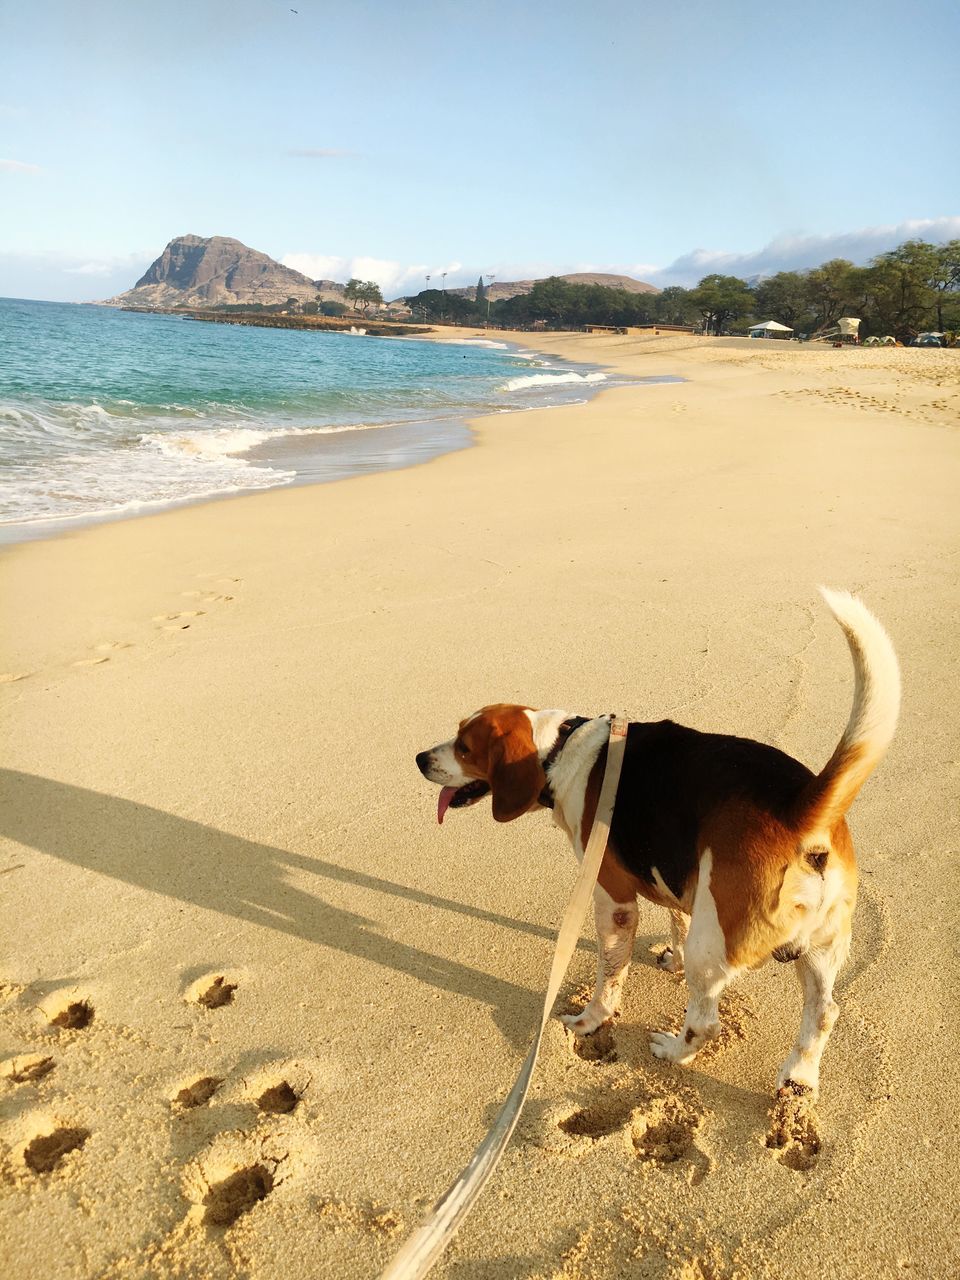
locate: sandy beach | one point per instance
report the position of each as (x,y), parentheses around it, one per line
(257,1007)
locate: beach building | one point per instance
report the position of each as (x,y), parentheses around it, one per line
(770,329)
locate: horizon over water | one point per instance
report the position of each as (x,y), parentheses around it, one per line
(106,413)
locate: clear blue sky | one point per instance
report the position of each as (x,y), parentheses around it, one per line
(474,136)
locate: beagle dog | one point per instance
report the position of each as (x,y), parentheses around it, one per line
(747,849)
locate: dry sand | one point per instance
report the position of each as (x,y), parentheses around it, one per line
(258,1008)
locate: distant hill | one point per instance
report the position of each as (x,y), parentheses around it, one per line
(217,271)
(509,289)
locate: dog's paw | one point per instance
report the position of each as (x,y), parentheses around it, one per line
(671,1048)
(670,961)
(587,1021)
(798,1079)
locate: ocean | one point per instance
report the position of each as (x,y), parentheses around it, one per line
(106,413)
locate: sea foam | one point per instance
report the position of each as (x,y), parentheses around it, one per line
(531,380)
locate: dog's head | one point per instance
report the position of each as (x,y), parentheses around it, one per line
(497,750)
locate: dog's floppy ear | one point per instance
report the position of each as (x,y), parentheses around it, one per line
(516,777)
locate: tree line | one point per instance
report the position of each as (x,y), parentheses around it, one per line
(909,290)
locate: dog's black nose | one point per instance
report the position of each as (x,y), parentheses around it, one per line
(423,762)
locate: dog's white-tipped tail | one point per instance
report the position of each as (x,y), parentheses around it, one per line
(873,720)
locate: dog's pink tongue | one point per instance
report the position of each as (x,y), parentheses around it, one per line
(443,804)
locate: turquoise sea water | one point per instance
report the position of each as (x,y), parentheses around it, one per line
(106,412)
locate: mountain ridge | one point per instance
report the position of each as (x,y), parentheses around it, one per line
(217,271)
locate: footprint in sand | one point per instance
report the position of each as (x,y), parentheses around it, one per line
(657,1128)
(28,1068)
(604,1116)
(44,1152)
(177,621)
(70,1014)
(598,1047)
(91,662)
(338,1215)
(208,597)
(279,1099)
(277,1088)
(794,1132)
(198,1093)
(234,1174)
(11,677)
(222,579)
(237,1193)
(664,1131)
(213,991)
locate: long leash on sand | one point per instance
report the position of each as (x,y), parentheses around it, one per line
(421,1250)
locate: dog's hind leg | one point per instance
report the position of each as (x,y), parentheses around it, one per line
(707,972)
(616,930)
(671,958)
(817,970)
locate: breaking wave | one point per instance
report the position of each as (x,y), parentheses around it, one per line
(531,380)
(105,412)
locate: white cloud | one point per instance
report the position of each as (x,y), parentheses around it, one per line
(66,277)
(90,269)
(18,166)
(394,278)
(797,252)
(105,266)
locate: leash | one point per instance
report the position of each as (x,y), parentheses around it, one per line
(421,1250)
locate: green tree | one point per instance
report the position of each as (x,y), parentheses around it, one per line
(673,305)
(481,292)
(368,294)
(781,297)
(431,304)
(550,300)
(945,276)
(352,290)
(902,297)
(720,299)
(828,288)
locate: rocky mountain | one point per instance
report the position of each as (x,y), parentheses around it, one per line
(197,272)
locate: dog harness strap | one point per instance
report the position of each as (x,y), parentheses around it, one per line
(422,1249)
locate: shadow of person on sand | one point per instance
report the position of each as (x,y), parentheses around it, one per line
(212,869)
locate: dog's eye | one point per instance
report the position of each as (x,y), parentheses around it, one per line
(461,746)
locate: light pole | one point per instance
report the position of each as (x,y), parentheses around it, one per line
(443,294)
(489,280)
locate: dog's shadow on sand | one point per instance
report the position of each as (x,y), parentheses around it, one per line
(209,868)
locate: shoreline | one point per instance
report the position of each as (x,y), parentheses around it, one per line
(211,722)
(403,444)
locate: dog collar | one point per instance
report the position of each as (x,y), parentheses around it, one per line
(564,733)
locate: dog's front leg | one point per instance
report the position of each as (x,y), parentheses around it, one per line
(616,930)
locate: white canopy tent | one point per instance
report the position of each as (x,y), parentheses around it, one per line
(769,329)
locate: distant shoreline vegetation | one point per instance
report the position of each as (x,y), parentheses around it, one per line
(912,289)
